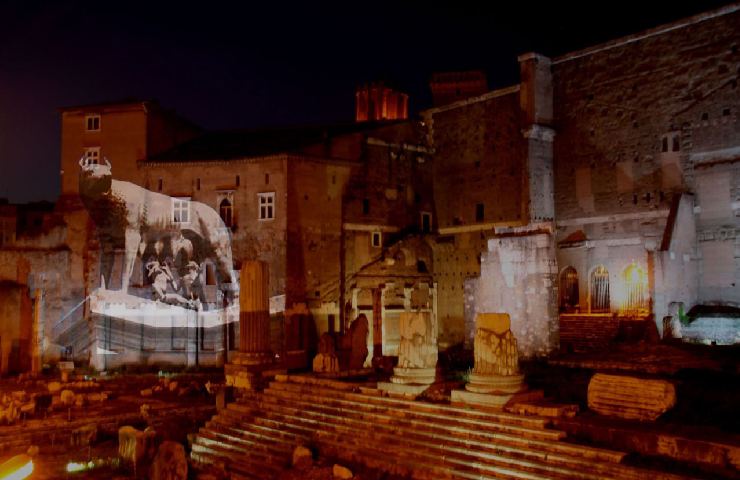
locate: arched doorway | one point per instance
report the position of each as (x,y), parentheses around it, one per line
(569,290)
(599,290)
(636,297)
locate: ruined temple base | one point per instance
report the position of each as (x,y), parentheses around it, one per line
(492,390)
(409,381)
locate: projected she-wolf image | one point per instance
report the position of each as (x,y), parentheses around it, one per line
(171,237)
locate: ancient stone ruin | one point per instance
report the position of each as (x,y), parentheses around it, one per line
(495,378)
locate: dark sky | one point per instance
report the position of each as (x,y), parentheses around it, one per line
(250,64)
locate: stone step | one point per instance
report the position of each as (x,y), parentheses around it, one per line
(245,463)
(434,409)
(479,432)
(314,381)
(279,452)
(470,451)
(266,434)
(419,464)
(416,465)
(255,436)
(241,470)
(389,415)
(555,453)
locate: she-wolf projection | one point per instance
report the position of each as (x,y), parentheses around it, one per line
(156,227)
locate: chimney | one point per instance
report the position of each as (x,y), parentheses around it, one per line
(376,101)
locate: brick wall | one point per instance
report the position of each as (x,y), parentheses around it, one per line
(478,159)
(616,102)
(580,333)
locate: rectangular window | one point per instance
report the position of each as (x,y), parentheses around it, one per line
(426,222)
(676,143)
(92,156)
(181,210)
(92,123)
(376,239)
(366,206)
(266,205)
(197,183)
(160,184)
(238,180)
(226,209)
(479,212)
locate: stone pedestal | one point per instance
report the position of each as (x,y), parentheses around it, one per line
(417,355)
(495,378)
(254,354)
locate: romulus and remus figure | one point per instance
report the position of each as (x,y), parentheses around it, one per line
(133,218)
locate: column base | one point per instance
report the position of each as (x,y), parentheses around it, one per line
(245,371)
(478,383)
(493,391)
(252,358)
(409,381)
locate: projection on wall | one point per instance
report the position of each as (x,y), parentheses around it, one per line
(165,268)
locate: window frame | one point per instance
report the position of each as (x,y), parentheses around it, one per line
(181,205)
(96,158)
(265,206)
(379,235)
(90,118)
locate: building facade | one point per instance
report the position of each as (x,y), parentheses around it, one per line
(601,192)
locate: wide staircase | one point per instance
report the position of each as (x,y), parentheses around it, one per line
(254,437)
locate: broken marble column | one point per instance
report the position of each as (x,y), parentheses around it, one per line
(254,354)
(417,355)
(495,378)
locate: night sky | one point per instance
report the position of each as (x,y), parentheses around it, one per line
(252,64)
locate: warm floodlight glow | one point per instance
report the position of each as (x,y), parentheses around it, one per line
(635,289)
(73,467)
(17,468)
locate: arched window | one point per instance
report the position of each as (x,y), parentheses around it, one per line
(599,290)
(226,211)
(569,290)
(636,298)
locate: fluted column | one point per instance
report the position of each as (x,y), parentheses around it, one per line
(254,312)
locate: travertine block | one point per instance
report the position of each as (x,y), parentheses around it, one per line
(630,397)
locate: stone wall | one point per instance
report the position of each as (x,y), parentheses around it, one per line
(42,268)
(640,120)
(614,104)
(676,266)
(518,277)
(478,144)
(15,328)
(581,333)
